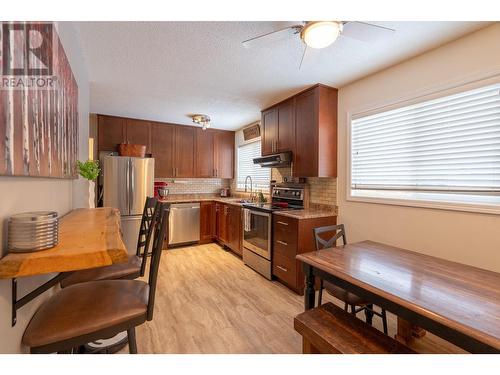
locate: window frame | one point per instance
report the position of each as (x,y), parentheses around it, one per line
(242,189)
(436,200)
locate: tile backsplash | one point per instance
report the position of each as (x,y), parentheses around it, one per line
(195,185)
(322,190)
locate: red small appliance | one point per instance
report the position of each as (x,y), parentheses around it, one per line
(160,189)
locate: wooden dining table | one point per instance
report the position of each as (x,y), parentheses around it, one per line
(88,238)
(457,302)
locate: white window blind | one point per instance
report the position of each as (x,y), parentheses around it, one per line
(260,176)
(448,144)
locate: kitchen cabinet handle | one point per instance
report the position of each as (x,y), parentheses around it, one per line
(282,223)
(282,268)
(282,242)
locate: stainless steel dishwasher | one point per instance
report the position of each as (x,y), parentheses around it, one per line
(184,223)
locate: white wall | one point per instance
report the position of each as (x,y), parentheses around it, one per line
(27,194)
(464,237)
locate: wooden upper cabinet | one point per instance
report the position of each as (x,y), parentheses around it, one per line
(184,151)
(269,125)
(286,126)
(278,128)
(305,160)
(205,153)
(111,132)
(179,151)
(138,132)
(162,149)
(224,142)
(214,153)
(305,124)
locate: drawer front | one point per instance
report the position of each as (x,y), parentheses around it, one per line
(285,226)
(285,246)
(285,236)
(285,269)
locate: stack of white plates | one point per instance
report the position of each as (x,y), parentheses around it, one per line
(33,231)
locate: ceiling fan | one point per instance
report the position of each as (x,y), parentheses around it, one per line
(321,34)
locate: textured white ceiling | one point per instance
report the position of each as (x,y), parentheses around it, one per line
(165,71)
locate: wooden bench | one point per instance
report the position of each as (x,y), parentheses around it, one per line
(330,330)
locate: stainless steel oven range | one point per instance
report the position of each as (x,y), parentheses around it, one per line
(257,225)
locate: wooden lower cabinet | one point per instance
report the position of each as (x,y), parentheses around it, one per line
(220,222)
(293,236)
(228,227)
(234,229)
(207,222)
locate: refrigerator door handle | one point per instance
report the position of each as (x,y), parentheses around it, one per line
(127,190)
(132,185)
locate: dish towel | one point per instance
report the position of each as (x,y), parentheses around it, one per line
(247,220)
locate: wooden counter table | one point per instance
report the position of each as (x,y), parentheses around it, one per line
(457,302)
(88,238)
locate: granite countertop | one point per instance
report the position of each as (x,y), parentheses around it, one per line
(316,211)
(310,213)
(187,198)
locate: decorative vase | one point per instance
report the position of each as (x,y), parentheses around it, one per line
(91,194)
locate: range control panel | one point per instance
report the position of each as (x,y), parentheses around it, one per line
(284,193)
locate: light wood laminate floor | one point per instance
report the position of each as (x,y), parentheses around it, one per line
(208,301)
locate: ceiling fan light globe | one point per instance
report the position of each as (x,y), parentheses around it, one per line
(321,34)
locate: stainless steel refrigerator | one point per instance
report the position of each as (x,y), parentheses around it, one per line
(127,183)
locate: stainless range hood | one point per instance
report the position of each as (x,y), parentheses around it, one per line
(283,159)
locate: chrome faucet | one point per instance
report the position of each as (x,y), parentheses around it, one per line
(251,186)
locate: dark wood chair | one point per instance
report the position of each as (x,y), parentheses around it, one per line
(356,303)
(136,264)
(96,310)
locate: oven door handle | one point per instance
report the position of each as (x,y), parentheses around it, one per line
(259,213)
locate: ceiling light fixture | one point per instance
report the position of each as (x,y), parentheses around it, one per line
(202,120)
(321,34)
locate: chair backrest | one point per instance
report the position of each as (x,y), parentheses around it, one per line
(332,241)
(160,223)
(146,231)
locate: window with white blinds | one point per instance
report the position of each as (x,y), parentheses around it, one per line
(447,145)
(260,176)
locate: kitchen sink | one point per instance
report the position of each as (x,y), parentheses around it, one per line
(243,201)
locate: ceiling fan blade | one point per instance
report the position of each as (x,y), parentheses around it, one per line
(272,36)
(366,32)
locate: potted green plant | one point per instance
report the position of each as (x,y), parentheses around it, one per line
(90,171)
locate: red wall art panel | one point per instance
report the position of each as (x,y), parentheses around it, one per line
(38,103)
